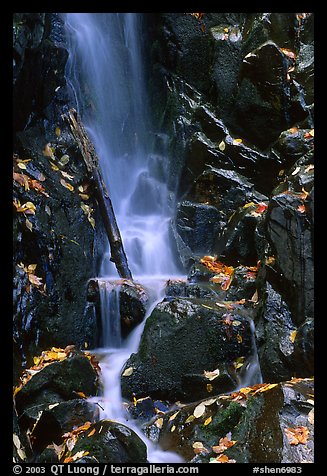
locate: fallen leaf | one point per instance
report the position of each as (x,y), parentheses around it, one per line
(35,280)
(50,407)
(292,336)
(159,423)
(199,410)
(211,375)
(173,416)
(57,131)
(239,338)
(66,175)
(28,224)
(209,402)
(66,185)
(190,419)
(21,453)
(297,435)
(16,441)
(297,170)
(128,372)
(47,210)
(199,448)
(261,207)
(91,433)
(173,428)
(48,152)
(310,168)
(209,388)
(64,160)
(207,421)
(311,416)
(222,146)
(289,53)
(54,166)
(301,208)
(21,165)
(237,141)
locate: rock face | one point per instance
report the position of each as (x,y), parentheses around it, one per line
(56,237)
(257,422)
(183,339)
(51,400)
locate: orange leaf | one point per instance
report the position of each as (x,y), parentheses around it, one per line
(288,53)
(261,207)
(91,433)
(297,435)
(301,208)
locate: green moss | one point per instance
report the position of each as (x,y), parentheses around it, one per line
(223,422)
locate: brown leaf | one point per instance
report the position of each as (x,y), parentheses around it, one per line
(297,435)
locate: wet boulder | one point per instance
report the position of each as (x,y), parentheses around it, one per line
(275,335)
(61,377)
(182,340)
(265,423)
(263,100)
(107,441)
(290,233)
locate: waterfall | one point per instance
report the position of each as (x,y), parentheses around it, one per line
(106,74)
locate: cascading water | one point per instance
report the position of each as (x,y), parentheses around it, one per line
(106,74)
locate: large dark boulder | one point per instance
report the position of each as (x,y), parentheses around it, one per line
(111,442)
(182,339)
(259,420)
(59,381)
(275,335)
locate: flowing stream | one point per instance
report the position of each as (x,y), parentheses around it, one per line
(106,73)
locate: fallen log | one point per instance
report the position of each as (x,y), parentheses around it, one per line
(91,160)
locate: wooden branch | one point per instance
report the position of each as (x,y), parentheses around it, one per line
(91,160)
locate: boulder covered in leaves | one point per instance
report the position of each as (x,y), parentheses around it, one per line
(189,348)
(265,423)
(51,392)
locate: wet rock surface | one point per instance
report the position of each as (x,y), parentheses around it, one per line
(182,339)
(258,422)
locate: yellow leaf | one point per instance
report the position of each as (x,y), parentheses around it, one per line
(64,160)
(173,428)
(128,372)
(84,196)
(226,30)
(36,360)
(237,141)
(66,185)
(81,394)
(190,419)
(292,336)
(92,221)
(91,433)
(209,388)
(199,410)
(222,146)
(28,224)
(21,165)
(173,416)
(54,166)
(58,131)
(48,152)
(207,421)
(159,423)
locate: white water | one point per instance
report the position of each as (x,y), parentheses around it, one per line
(105,71)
